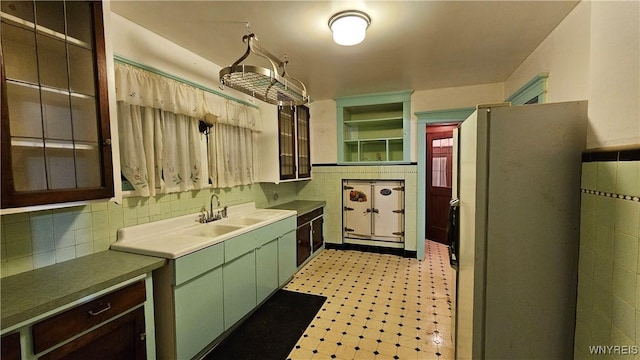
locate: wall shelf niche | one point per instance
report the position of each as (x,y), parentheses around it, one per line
(374,128)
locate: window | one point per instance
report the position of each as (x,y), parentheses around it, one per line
(442,161)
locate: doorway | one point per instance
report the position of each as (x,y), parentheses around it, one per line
(439,161)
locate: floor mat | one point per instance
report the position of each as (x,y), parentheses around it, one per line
(272,331)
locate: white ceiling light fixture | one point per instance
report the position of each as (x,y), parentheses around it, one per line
(349,27)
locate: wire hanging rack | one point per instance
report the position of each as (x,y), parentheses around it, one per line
(273,85)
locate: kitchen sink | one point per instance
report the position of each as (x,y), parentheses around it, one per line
(244,221)
(179,236)
(212,230)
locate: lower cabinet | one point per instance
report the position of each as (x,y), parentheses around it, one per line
(109,327)
(303,234)
(239,278)
(310,236)
(266,270)
(122,338)
(196,328)
(286,257)
(10,347)
(201,295)
(189,303)
(317,235)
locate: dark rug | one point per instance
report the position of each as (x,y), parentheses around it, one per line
(272,330)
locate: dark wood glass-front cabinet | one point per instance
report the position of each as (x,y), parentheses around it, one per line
(56,143)
(293,140)
(304,158)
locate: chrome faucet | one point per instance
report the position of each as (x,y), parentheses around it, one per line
(209,216)
(211,205)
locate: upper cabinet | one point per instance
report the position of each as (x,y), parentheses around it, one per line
(374,128)
(284,156)
(56,144)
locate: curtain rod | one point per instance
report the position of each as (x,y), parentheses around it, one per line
(179,79)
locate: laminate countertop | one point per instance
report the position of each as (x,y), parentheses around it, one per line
(301,206)
(27,295)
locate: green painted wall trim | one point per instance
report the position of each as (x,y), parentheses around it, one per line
(535,87)
(437,116)
(374,99)
(151,69)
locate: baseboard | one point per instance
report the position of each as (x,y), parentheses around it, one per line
(373,249)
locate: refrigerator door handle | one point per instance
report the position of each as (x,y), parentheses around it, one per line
(453,232)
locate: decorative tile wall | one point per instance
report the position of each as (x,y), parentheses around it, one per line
(326,185)
(36,239)
(608,308)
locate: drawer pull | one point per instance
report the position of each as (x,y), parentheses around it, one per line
(106,308)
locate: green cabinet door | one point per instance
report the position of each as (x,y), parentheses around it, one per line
(286,257)
(239,279)
(199,313)
(266,269)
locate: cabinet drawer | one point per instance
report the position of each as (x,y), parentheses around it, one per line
(305,218)
(60,327)
(275,230)
(199,262)
(239,245)
(10,347)
(122,338)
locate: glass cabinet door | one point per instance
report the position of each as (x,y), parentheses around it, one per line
(304,160)
(55,120)
(286,138)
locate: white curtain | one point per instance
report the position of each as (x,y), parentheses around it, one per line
(181,163)
(230,155)
(224,111)
(159,138)
(140,87)
(159,149)
(140,133)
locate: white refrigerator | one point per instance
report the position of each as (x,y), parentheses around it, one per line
(519,214)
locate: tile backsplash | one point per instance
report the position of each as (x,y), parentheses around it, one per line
(327,185)
(608,309)
(36,239)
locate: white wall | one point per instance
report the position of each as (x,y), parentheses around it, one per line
(593,54)
(564,54)
(450,98)
(614,74)
(324,123)
(456,97)
(324,135)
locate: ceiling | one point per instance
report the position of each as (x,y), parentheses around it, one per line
(410,45)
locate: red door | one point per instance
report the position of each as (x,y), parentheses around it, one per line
(439,180)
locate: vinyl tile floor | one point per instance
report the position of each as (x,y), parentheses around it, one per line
(378,306)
